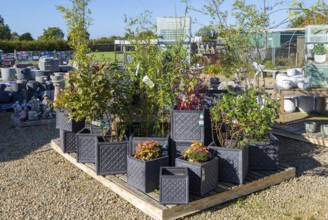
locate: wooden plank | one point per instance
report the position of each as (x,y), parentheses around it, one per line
(136,198)
(196,206)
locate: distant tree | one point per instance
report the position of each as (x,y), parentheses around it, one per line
(14,36)
(316,14)
(52,33)
(309,18)
(207,33)
(26,36)
(5,32)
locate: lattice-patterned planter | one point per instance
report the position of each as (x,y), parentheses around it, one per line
(67,141)
(163,141)
(189,126)
(111,157)
(233,164)
(203,177)
(177,149)
(86,146)
(63,123)
(264,156)
(174,185)
(144,175)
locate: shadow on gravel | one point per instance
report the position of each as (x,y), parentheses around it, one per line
(301,155)
(18,142)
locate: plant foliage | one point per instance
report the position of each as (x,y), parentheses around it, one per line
(148,150)
(197,153)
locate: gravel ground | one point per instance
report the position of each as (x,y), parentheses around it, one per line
(37,183)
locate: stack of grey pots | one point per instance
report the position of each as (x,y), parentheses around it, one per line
(49,63)
(23,82)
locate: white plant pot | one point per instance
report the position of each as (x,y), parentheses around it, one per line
(287,84)
(299,71)
(280,77)
(289,104)
(305,104)
(320,58)
(291,72)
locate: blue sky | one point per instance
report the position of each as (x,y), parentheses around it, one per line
(34,16)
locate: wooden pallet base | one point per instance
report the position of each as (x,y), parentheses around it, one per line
(149,202)
(296,130)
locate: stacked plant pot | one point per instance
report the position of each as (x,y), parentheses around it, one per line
(67,130)
(188,126)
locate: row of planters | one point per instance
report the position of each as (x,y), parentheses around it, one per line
(236,129)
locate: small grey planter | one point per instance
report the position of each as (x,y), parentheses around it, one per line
(67,141)
(163,141)
(111,157)
(86,146)
(174,185)
(144,175)
(203,177)
(233,164)
(63,123)
(264,156)
(185,126)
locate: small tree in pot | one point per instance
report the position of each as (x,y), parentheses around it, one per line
(239,121)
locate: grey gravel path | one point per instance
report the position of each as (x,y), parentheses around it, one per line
(37,183)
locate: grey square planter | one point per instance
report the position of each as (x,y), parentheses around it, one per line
(67,141)
(163,141)
(233,164)
(86,146)
(63,123)
(177,149)
(185,126)
(203,177)
(174,185)
(264,156)
(144,175)
(111,157)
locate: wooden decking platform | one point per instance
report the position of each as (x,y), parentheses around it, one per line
(294,128)
(149,202)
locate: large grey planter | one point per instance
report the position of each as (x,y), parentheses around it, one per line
(86,146)
(185,126)
(111,157)
(174,185)
(62,122)
(203,177)
(163,141)
(144,175)
(233,164)
(67,141)
(264,156)
(8,74)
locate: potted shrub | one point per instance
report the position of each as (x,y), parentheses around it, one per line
(319,52)
(239,121)
(98,93)
(143,167)
(203,169)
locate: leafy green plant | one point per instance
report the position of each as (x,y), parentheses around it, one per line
(243,119)
(95,91)
(148,150)
(197,153)
(164,68)
(319,49)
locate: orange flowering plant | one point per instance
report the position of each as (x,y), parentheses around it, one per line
(197,152)
(148,150)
